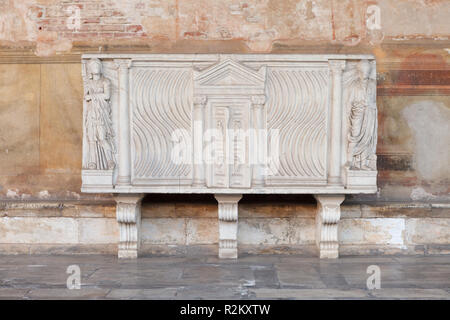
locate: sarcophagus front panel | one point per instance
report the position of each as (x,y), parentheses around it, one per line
(229,123)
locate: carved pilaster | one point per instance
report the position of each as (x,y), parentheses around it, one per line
(228,220)
(199,169)
(258,102)
(327,218)
(124,177)
(128,214)
(334,174)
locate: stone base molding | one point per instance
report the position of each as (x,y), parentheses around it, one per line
(128,214)
(228,224)
(327,218)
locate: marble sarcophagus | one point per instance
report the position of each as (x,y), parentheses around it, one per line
(229,124)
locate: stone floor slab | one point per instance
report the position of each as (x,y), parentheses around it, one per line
(206,277)
(143,294)
(66,294)
(306,294)
(410,293)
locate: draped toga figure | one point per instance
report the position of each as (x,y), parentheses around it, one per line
(98,122)
(360,84)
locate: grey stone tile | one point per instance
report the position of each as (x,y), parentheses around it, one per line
(301,276)
(212,292)
(444,259)
(266,278)
(135,279)
(309,294)
(246,260)
(22,277)
(366,259)
(219,274)
(12,293)
(143,294)
(295,259)
(62,294)
(406,293)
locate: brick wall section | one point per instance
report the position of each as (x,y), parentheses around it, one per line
(337,21)
(98,20)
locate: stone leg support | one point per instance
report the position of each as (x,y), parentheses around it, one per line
(327,218)
(228,224)
(128,214)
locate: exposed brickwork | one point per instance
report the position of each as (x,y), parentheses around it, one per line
(88,19)
(258,22)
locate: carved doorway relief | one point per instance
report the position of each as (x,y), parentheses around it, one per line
(227,152)
(228,90)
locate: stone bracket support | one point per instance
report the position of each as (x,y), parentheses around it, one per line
(128,214)
(327,218)
(228,224)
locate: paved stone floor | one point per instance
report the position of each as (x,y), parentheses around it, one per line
(207,277)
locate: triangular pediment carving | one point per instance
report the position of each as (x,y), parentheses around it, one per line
(230,73)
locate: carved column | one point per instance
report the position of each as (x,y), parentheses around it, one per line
(124,177)
(228,224)
(199,169)
(128,214)
(259,147)
(327,218)
(334,172)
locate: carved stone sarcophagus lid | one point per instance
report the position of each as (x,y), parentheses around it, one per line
(229,124)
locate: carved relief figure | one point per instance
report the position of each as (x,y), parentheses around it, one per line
(98,123)
(360,82)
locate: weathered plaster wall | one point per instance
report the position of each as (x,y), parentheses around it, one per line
(52,24)
(42,209)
